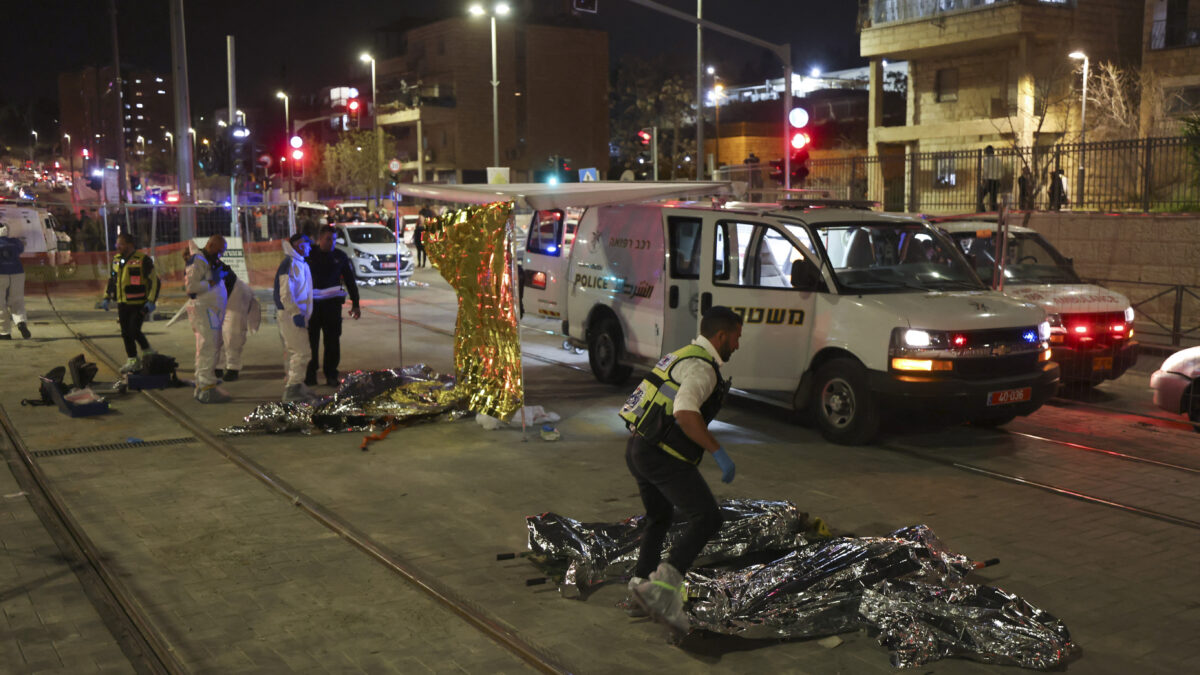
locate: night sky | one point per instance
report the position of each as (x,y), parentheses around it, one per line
(304,45)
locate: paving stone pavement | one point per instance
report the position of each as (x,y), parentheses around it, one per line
(245,582)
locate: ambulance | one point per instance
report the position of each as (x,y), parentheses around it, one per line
(848,313)
(45,243)
(1091,327)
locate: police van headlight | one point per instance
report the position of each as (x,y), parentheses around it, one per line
(917,350)
(1044,330)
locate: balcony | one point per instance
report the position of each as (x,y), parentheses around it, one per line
(1168,35)
(883,12)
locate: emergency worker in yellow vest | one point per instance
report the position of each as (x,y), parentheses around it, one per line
(133,284)
(669,414)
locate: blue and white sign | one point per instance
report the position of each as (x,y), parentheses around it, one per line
(589,175)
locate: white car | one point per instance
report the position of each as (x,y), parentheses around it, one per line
(1175,384)
(372,250)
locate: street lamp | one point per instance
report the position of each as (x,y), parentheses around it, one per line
(287,132)
(1082,127)
(718,91)
(171,139)
(499,9)
(367,58)
(31,145)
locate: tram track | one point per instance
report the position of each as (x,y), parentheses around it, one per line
(141,632)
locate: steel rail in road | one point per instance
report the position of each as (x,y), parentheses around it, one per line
(1110,453)
(142,643)
(534,655)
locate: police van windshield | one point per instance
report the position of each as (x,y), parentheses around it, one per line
(891,257)
(1028,260)
(370,235)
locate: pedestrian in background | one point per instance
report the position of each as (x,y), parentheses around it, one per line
(426,215)
(205,285)
(1025,189)
(12,286)
(332,279)
(992,170)
(134,285)
(669,414)
(294,305)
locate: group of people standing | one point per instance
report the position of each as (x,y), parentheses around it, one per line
(311,284)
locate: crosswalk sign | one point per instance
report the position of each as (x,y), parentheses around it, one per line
(589,175)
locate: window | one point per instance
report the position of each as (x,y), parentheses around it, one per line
(544,233)
(753,255)
(947,85)
(684,247)
(945,175)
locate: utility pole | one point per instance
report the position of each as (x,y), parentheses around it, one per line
(701,156)
(118,94)
(184,166)
(233,214)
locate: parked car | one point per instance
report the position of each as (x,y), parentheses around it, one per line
(1091,327)
(372,250)
(1176,384)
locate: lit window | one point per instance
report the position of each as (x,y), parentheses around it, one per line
(137,81)
(158,79)
(161,91)
(140,117)
(138,105)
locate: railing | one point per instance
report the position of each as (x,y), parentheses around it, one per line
(1166,36)
(1173,304)
(894,11)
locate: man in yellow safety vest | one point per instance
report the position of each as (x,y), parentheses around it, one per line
(133,284)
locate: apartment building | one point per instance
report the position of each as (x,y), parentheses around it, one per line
(1171,53)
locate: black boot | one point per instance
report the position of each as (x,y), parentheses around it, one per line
(231,375)
(24,330)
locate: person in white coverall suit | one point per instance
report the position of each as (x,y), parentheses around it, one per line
(205,285)
(241,314)
(294,305)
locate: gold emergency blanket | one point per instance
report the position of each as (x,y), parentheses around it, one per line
(469,248)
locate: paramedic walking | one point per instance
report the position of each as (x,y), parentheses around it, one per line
(333,279)
(669,414)
(134,285)
(12,286)
(205,285)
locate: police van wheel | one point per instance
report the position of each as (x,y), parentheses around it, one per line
(605,345)
(842,404)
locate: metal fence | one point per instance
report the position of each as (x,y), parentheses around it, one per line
(889,11)
(1168,314)
(1146,175)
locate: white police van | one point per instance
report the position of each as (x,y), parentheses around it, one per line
(847,313)
(1091,327)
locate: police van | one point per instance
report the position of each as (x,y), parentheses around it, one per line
(1091,327)
(848,313)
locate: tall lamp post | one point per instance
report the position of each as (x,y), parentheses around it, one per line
(170,139)
(32,144)
(365,58)
(70,166)
(499,9)
(287,134)
(1082,127)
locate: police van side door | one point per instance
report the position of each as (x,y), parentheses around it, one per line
(682,311)
(767,273)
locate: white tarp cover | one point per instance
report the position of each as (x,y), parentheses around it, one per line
(562,195)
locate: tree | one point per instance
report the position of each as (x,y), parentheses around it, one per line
(645,94)
(349,167)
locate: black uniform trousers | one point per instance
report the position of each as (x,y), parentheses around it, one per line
(665,484)
(131,317)
(326,319)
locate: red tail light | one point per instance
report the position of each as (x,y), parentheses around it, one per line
(1081,329)
(538,280)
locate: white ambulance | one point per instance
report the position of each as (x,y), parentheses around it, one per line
(45,243)
(848,313)
(1091,327)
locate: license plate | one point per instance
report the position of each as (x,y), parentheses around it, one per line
(1102,363)
(1010,396)
(387,265)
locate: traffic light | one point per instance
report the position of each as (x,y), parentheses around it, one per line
(353,107)
(135,182)
(644,137)
(798,143)
(240,150)
(297,155)
(799,165)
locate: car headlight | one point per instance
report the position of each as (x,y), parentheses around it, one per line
(916,338)
(914,341)
(1044,330)
(1129,315)
(363,255)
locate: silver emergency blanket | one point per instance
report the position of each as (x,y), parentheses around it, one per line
(364,401)
(905,588)
(585,555)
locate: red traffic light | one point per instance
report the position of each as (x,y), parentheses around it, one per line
(800,140)
(352,106)
(644,137)
(297,154)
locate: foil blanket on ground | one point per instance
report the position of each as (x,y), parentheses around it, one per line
(587,554)
(364,401)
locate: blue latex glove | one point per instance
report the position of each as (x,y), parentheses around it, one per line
(726,464)
(150,307)
(105,304)
(298,320)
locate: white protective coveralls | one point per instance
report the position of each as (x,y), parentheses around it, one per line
(207,315)
(294,297)
(241,314)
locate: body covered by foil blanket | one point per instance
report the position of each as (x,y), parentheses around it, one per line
(594,552)
(905,587)
(364,401)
